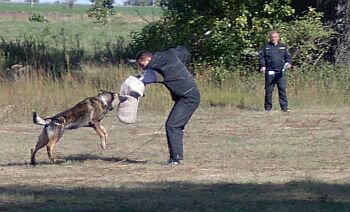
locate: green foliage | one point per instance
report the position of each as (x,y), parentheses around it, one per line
(218,74)
(115,52)
(308,39)
(219,32)
(154,36)
(101,10)
(36,17)
(229,33)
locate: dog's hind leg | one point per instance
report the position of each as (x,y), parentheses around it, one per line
(101,131)
(54,138)
(43,140)
(49,148)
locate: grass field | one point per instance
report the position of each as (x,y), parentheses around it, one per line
(235,160)
(76,25)
(77,9)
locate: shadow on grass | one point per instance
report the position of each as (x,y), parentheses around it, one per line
(180,196)
(86,157)
(79,158)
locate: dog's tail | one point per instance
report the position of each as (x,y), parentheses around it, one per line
(38,120)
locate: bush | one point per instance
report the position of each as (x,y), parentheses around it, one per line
(36,17)
(55,60)
(58,54)
(308,39)
(101,10)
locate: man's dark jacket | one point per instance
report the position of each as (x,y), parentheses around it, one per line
(273,57)
(171,64)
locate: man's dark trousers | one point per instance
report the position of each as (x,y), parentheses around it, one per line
(179,116)
(278,78)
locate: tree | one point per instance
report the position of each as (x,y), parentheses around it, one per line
(336,14)
(101,10)
(229,33)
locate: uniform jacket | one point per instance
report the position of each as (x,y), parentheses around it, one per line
(273,57)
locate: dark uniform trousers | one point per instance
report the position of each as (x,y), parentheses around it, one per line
(270,80)
(180,114)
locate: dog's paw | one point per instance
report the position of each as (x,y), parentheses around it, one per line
(103,145)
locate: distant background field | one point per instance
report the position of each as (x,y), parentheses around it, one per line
(15,24)
(78,9)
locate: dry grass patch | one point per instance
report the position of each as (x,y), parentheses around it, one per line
(234,160)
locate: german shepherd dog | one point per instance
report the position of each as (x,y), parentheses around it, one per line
(87,113)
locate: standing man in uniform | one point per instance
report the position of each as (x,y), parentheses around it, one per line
(169,67)
(274,59)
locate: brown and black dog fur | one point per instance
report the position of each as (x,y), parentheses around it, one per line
(87,113)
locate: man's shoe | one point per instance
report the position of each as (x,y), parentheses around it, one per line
(173,162)
(286,110)
(268,109)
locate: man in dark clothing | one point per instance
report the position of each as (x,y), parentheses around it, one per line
(169,67)
(274,59)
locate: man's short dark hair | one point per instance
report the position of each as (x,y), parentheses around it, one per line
(143,54)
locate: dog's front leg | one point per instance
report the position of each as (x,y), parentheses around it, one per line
(101,131)
(105,132)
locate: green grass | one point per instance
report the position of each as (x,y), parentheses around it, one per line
(88,38)
(42,8)
(76,10)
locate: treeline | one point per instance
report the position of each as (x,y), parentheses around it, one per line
(226,35)
(223,35)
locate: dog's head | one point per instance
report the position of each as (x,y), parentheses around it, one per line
(109,99)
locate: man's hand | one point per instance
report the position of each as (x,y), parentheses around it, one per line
(262,69)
